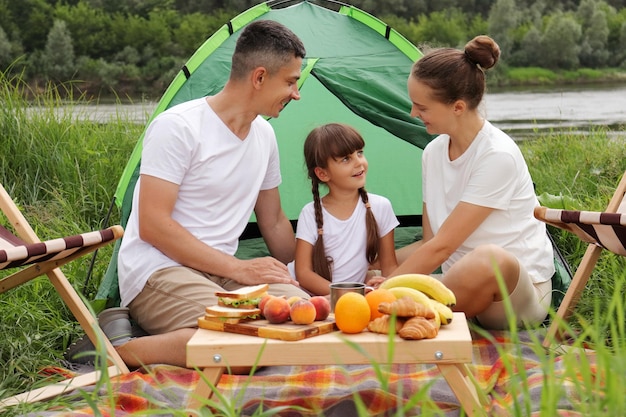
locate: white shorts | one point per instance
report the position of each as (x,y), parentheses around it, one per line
(530,303)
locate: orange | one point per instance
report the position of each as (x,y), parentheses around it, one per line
(377,296)
(352,313)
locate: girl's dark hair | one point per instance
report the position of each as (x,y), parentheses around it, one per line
(335,140)
(458,75)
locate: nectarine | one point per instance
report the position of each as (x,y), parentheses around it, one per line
(264,300)
(322,307)
(291,300)
(276,310)
(302,312)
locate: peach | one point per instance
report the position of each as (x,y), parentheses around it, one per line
(322,307)
(276,310)
(303,312)
(291,300)
(264,300)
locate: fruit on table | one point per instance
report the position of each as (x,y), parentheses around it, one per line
(417,295)
(352,313)
(264,300)
(302,312)
(291,300)
(377,296)
(445,313)
(322,307)
(276,310)
(428,285)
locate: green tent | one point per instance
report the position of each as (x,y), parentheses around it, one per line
(355,72)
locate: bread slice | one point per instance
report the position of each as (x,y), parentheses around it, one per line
(226,320)
(243,293)
(229,312)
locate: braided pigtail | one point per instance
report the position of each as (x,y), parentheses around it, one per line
(373,237)
(321,262)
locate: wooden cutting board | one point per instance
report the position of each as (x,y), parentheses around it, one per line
(262,328)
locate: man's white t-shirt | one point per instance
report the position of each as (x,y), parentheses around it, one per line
(491,173)
(219,178)
(346,240)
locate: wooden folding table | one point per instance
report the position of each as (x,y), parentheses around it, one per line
(212,351)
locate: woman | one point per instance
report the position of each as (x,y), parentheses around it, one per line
(478,195)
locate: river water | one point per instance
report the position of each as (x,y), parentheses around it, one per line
(520,112)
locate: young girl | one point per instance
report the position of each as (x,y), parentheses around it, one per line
(478,195)
(341,234)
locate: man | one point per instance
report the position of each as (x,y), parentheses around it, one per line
(206,165)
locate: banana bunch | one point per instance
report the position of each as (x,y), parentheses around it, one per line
(428,285)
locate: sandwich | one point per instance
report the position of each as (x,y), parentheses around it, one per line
(245,297)
(239,305)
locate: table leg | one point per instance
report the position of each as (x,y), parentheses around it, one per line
(457,376)
(209,378)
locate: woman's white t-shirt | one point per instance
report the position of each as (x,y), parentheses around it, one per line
(346,240)
(491,173)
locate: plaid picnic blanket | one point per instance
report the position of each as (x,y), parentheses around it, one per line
(506,370)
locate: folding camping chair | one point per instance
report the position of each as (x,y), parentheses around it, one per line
(602,230)
(24,249)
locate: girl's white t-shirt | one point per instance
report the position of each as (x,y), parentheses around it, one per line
(345,240)
(491,173)
(219,175)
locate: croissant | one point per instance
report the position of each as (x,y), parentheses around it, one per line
(406,307)
(417,328)
(382,324)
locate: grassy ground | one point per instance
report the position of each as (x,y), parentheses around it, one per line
(63,172)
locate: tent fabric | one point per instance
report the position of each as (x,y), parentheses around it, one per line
(354,62)
(355,72)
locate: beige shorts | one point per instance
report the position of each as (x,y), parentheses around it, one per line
(530,302)
(174,298)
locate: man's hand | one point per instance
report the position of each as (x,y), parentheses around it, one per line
(265,270)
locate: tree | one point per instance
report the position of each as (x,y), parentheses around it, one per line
(445,28)
(528,53)
(195,28)
(594,52)
(621,55)
(90,28)
(58,56)
(33,19)
(504,17)
(560,42)
(6,56)
(595,38)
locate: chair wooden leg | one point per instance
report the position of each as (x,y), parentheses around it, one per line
(84,317)
(573,293)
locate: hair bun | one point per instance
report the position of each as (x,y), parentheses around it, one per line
(483,51)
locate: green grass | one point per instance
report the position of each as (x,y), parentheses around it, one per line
(523,76)
(62,171)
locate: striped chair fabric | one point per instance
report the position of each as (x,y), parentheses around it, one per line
(14,252)
(607,230)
